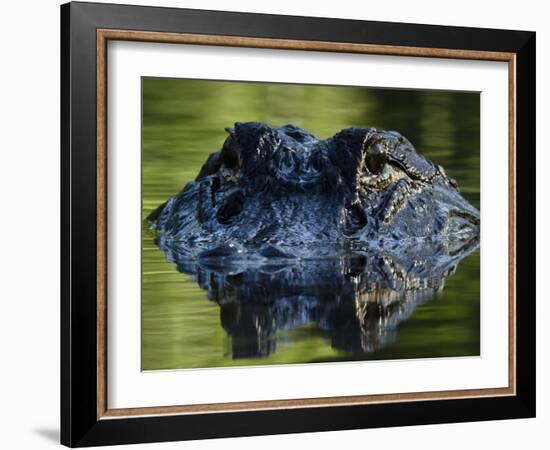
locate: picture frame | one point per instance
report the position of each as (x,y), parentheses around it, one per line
(86,29)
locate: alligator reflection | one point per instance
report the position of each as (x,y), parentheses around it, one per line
(357,300)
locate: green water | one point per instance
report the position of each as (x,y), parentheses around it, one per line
(183,122)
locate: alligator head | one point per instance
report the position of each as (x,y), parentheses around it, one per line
(283,193)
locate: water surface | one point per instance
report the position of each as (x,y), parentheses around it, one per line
(183,122)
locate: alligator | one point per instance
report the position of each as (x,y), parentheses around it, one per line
(283,193)
(350,234)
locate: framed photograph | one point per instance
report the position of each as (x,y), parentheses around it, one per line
(277,224)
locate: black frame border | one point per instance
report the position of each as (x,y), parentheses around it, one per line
(79,423)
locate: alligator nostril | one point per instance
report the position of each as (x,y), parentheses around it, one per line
(271,251)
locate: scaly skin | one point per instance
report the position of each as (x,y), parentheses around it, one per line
(283,193)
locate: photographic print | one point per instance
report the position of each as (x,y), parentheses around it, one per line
(294,224)
(300,223)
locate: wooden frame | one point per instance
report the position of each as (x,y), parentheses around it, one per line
(86,418)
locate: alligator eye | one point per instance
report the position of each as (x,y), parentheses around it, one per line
(375,158)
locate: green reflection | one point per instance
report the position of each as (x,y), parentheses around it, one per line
(183,122)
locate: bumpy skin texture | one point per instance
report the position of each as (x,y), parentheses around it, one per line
(283,193)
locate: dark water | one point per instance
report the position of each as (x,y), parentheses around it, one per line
(187,324)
